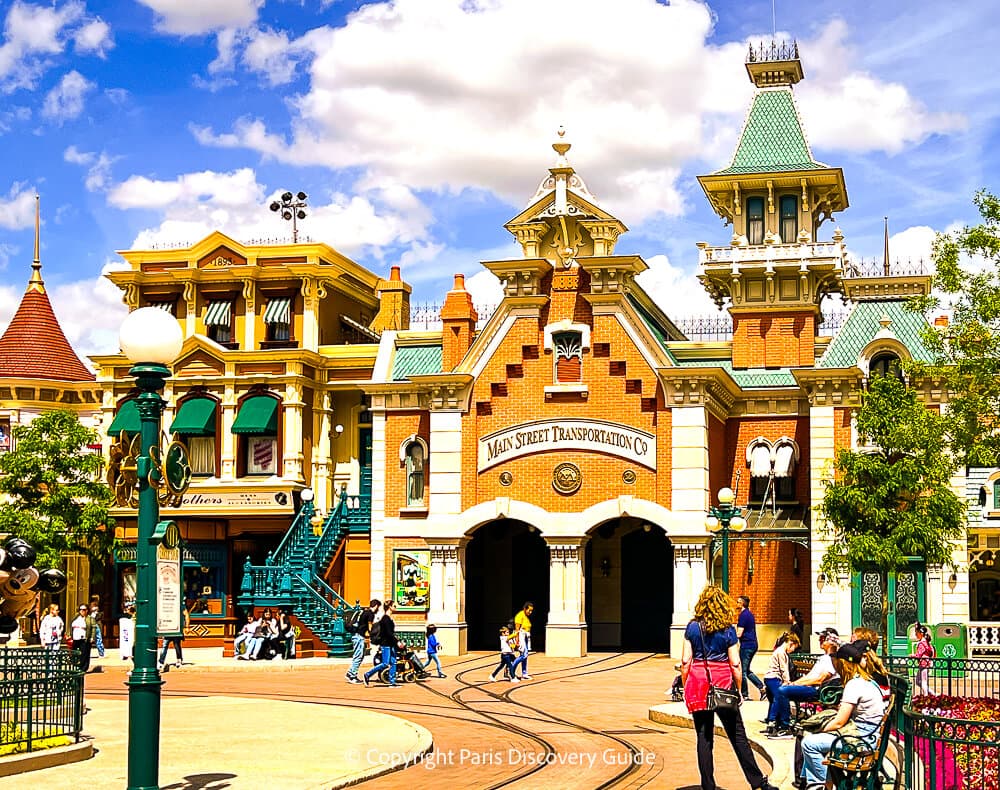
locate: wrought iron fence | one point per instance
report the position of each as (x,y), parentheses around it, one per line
(41,697)
(876,267)
(427,315)
(945,753)
(774,51)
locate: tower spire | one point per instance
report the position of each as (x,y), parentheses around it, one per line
(885,253)
(36,283)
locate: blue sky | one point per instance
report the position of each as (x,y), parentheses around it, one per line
(419,127)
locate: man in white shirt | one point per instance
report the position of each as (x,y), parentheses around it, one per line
(806,688)
(82,630)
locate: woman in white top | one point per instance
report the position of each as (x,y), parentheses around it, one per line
(51,630)
(777,673)
(862,704)
(126,634)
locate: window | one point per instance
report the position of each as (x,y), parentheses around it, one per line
(278,319)
(195,423)
(201,455)
(257,423)
(755,220)
(885,364)
(414,458)
(783,489)
(772,469)
(262,455)
(996,495)
(167,306)
(568,353)
(219,320)
(205,579)
(789,218)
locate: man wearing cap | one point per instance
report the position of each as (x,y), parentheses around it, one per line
(806,688)
(82,630)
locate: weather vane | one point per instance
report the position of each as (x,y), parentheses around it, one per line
(292,207)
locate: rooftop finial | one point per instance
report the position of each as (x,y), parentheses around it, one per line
(36,283)
(561,147)
(885,259)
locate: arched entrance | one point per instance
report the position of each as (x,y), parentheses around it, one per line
(506,564)
(630,586)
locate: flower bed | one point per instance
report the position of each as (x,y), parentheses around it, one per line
(963,754)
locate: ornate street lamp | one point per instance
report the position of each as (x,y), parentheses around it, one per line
(722,519)
(292,207)
(151,339)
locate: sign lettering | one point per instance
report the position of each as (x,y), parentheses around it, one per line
(545,436)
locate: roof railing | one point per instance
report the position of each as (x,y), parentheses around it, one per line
(773,52)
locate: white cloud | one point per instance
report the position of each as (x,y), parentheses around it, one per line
(65,101)
(197,17)
(98,166)
(90,313)
(195,204)
(14,115)
(94,37)
(17,208)
(677,292)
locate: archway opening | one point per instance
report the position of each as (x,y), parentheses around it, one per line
(506,564)
(630,587)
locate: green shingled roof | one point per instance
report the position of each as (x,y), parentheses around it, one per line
(416,361)
(746,379)
(659,332)
(772,139)
(862,325)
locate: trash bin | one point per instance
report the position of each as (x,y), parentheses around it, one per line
(951,641)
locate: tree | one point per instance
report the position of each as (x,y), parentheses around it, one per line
(56,499)
(967,351)
(891,500)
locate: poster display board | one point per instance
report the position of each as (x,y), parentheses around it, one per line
(411,579)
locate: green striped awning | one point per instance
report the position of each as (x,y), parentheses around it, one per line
(195,417)
(258,416)
(219,313)
(278,311)
(127,419)
(167,307)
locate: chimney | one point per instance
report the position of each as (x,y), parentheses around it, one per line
(459,318)
(941,321)
(393,303)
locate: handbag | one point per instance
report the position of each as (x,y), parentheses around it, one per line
(718,698)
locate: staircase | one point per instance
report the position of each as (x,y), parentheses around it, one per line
(292,576)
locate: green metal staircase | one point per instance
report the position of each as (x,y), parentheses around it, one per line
(292,576)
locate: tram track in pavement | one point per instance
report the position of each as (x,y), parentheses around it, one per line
(476,711)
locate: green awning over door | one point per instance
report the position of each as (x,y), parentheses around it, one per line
(127,419)
(258,416)
(195,417)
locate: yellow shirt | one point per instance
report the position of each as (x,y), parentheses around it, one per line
(522,622)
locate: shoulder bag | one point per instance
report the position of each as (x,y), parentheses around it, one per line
(719,698)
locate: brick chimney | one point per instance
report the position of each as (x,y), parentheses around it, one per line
(941,321)
(459,318)
(393,303)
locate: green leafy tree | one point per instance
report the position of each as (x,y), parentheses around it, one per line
(55,498)
(967,351)
(891,499)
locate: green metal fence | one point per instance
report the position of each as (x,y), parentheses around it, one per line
(944,753)
(41,696)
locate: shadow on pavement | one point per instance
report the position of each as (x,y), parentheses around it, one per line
(202,782)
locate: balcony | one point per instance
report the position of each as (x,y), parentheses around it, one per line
(766,254)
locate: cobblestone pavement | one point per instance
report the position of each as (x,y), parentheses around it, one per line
(580,723)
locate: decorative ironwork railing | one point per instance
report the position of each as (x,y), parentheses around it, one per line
(775,51)
(984,639)
(875,267)
(41,698)
(427,315)
(704,328)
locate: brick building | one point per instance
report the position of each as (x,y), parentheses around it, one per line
(568,450)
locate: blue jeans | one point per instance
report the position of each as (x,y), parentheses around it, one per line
(785,695)
(388,661)
(746,657)
(816,746)
(506,664)
(437,662)
(99,641)
(358,643)
(176,640)
(772,685)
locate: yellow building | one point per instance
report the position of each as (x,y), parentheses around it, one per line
(266,395)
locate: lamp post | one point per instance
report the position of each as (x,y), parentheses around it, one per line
(292,207)
(151,339)
(722,519)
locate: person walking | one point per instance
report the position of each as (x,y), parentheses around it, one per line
(711,656)
(796,625)
(506,654)
(126,634)
(746,632)
(360,637)
(433,646)
(522,623)
(50,632)
(82,631)
(176,642)
(95,612)
(923,652)
(386,639)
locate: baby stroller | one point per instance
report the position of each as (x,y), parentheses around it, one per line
(408,667)
(677,689)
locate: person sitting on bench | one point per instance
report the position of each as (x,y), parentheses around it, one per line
(860,714)
(806,688)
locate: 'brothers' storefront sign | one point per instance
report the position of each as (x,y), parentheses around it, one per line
(545,436)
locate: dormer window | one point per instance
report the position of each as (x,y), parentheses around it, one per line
(567,351)
(219,320)
(886,364)
(789,206)
(755,220)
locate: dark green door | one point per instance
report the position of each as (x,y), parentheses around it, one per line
(907,604)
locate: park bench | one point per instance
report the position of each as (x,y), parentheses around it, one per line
(829,692)
(855,764)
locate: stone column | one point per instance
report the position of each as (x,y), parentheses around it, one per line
(690,578)
(292,440)
(689,466)
(566,629)
(228,449)
(310,314)
(322,428)
(445,461)
(378,554)
(831,600)
(447,594)
(249,316)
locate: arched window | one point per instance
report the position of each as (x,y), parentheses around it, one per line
(885,363)
(568,353)
(789,218)
(413,456)
(755,220)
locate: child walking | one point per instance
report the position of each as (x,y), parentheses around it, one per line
(923,652)
(432,649)
(506,656)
